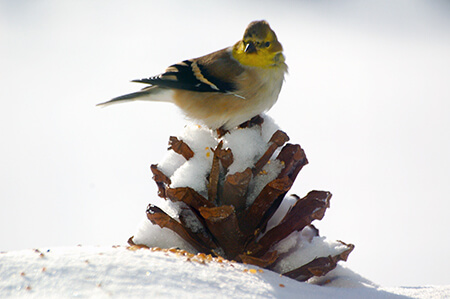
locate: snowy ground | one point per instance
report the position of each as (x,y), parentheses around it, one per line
(99,272)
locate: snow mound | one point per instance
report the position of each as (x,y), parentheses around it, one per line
(116,272)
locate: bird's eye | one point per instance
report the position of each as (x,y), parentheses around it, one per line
(266,44)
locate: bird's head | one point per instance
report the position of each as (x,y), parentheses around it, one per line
(259,47)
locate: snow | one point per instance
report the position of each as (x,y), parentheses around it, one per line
(147,233)
(116,272)
(194,171)
(296,251)
(285,205)
(268,173)
(246,145)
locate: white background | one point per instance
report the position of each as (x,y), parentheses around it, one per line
(368,98)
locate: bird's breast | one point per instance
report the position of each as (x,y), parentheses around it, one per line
(257,92)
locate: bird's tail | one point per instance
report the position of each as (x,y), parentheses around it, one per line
(151,93)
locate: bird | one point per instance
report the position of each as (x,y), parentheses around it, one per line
(225,88)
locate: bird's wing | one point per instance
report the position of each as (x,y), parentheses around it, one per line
(215,72)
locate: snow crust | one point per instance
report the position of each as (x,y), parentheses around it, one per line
(115,272)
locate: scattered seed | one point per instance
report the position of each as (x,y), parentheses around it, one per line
(253,271)
(282,285)
(22,274)
(200,258)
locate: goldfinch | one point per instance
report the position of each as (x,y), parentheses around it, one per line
(225,88)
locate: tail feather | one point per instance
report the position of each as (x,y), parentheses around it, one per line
(126,98)
(151,93)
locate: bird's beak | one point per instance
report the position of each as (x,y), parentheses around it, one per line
(250,48)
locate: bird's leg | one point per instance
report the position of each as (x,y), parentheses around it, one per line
(221,132)
(256,120)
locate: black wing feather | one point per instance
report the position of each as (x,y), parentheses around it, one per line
(181,76)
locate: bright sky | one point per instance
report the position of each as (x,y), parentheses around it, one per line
(368,98)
